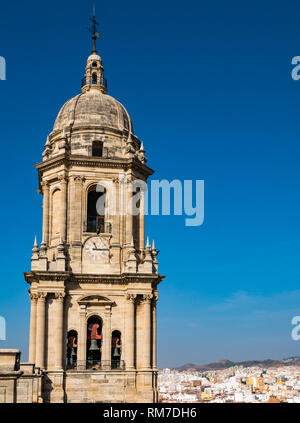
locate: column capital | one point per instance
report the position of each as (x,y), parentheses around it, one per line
(155,297)
(107,309)
(78,179)
(59,296)
(116,180)
(62,179)
(45,186)
(33,297)
(82,308)
(146,298)
(129,179)
(42,296)
(131,297)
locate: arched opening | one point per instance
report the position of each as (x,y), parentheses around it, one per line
(94,64)
(94,79)
(97,149)
(96,211)
(72,349)
(94,342)
(115,349)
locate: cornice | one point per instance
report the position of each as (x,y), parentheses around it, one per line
(124,279)
(35,276)
(82,161)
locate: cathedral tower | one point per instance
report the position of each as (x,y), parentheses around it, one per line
(93,282)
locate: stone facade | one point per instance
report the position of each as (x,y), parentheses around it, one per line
(90,268)
(19,382)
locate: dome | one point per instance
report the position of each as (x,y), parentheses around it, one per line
(93,108)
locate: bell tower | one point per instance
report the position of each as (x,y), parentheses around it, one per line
(93,281)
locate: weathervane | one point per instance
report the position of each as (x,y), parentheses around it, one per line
(94,32)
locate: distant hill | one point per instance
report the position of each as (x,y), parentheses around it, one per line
(224,364)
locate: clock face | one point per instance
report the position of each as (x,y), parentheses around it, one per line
(96,248)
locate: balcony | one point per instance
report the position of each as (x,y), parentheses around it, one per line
(97,225)
(103,83)
(96,365)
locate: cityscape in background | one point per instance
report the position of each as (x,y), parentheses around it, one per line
(266,382)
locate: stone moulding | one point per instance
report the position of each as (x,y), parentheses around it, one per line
(72,160)
(123,279)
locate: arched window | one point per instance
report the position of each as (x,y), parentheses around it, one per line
(94,79)
(115,349)
(95,211)
(94,342)
(97,149)
(72,349)
(94,64)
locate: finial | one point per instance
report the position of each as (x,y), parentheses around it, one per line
(35,242)
(94,32)
(153,245)
(147,245)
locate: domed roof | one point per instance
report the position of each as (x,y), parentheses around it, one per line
(93,108)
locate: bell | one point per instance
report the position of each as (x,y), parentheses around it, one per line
(94,345)
(116,352)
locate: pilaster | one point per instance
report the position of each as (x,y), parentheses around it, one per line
(32,335)
(129,334)
(40,330)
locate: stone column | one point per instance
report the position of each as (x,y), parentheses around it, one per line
(32,336)
(142,221)
(75,223)
(75,209)
(106,341)
(40,330)
(129,217)
(63,208)
(116,223)
(59,329)
(146,338)
(81,342)
(115,204)
(154,336)
(45,188)
(122,206)
(129,332)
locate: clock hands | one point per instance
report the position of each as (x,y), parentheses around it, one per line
(97,249)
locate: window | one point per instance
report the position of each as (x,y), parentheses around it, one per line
(94,79)
(97,149)
(95,211)
(94,64)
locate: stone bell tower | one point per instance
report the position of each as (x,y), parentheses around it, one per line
(93,282)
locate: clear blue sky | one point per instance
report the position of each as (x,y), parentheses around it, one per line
(208,86)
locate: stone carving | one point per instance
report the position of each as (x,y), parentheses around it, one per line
(42,296)
(62,178)
(146,298)
(78,179)
(33,297)
(131,298)
(59,296)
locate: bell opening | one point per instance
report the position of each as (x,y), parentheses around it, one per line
(116,349)
(94,342)
(72,338)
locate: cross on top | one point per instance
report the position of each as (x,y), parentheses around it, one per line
(95,33)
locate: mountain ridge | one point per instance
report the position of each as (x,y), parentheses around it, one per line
(225,364)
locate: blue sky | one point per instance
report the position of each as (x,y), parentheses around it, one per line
(208,86)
